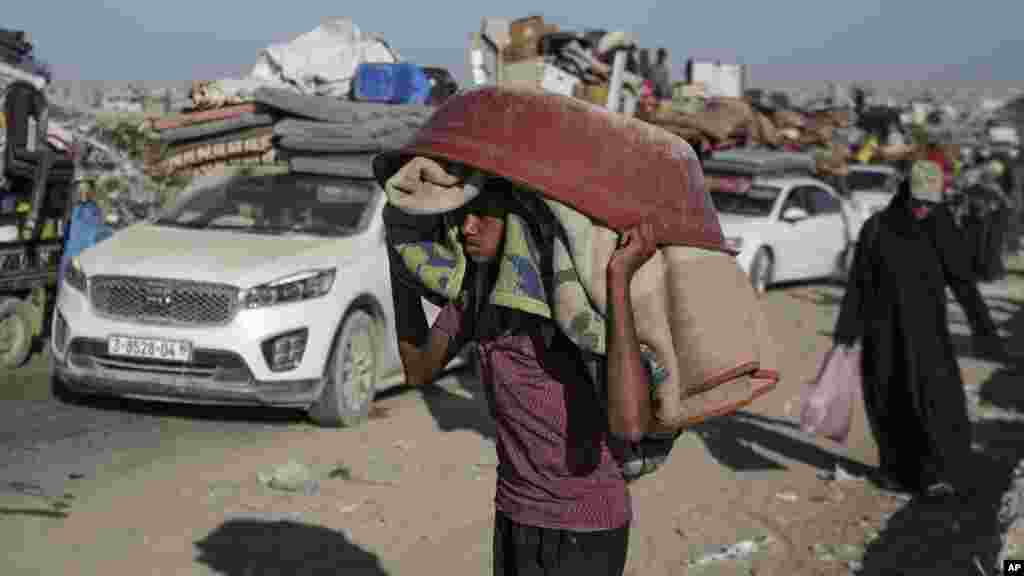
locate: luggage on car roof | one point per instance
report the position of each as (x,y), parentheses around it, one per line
(759,163)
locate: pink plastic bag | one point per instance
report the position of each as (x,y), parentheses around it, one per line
(827,404)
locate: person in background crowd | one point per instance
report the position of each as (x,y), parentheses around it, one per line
(993,177)
(562,503)
(661,75)
(1017,193)
(643,62)
(85,227)
(1008,175)
(895,136)
(895,310)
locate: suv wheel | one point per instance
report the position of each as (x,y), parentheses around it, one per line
(761,271)
(351,380)
(15,333)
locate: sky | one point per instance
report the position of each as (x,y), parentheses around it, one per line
(779,40)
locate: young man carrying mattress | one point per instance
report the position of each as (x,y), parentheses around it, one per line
(562,503)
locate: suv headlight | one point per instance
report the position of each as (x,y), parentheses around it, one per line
(74,276)
(294,288)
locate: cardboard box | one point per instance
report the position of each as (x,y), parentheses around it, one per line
(525,30)
(537,73)
(527,44)
(690,90)
(520,52)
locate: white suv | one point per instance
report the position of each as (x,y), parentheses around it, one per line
(263,290)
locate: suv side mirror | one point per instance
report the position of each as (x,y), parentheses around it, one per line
(795,214)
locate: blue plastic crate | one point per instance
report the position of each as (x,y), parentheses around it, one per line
(399,83)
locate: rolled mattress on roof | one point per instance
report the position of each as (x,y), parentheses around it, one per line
(759,162)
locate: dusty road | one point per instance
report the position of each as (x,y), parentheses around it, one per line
(117,487)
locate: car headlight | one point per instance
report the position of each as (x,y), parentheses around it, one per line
(294,288)
(734,243)
(75,277)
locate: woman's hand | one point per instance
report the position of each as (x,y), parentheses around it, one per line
(635,248)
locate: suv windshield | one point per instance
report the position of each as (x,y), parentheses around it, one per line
(758,200)
(276,204)
(857,180)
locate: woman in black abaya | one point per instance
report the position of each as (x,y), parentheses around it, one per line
(895,308)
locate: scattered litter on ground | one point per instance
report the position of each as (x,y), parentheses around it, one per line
(347,508)
(340,471)
(739,551)
(221,489)
(841,552)
(787,496)
(291,477)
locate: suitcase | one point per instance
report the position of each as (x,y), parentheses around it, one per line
(391,83)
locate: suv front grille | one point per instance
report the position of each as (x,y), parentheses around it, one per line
(156,301)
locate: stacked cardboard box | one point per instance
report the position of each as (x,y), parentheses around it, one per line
(524,38)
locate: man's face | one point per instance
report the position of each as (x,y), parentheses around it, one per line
(481,236)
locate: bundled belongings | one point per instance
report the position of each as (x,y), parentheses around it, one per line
(321,62)
(279,127)
(718,120)
(14,45)
(208,140)
(696,311)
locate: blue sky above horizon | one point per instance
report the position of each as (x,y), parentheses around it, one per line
(798,40)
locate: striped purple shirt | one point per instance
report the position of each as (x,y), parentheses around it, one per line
(555,467)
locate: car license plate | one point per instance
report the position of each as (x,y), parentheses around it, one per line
(151,348)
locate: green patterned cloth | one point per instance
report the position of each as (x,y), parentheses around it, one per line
(441,267)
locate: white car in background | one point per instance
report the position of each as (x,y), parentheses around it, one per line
(872,187)
(255,290)
(785,229)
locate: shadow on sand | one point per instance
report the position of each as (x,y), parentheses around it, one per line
(255,547)
(961,536)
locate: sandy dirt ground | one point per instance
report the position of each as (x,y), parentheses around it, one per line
(410,491)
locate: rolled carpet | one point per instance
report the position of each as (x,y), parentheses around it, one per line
(203,116)
(331,145)
(255,144)
(376,128)
(374,135)
(207,129)
(357,166)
